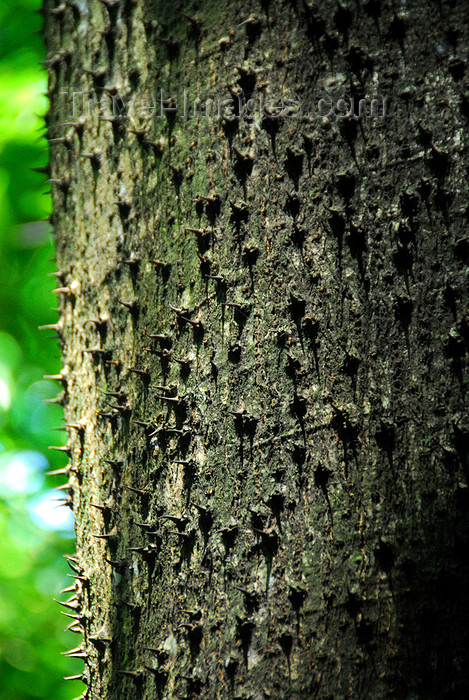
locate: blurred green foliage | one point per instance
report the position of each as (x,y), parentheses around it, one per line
(32,569)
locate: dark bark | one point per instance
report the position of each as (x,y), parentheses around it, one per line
(264,329)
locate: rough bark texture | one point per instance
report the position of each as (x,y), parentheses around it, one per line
(264,330)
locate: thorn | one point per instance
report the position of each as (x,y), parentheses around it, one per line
(96,351)
(179,521)
(56,472)
(51,327)
(71,289)
(160,353)
(133,306)
(176,309)
(131,261)
(170,399)
(65,502)
(177,532)
(75,617)
(142,423)
(117,564)
(178,431)
(181,362)
(58,399)
(188,320)
(75,627)
(107,414)
(101,635)
(78,652)
(76,125)
(102,508)
(56,181)
(140,492)
(142,372)
(194,230)
(139,133)
(133,674)
(249,20)
(68,603)
(217,278)
(64,487)
(144,526)
(157,336)
(78,677)
(98,322)
(72,562)
(56,377)
(64,448)
(115,462)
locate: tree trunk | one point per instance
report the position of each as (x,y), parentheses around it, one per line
(264,326)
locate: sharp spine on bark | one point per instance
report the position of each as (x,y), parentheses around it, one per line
(107,415)
(97,351)
(56,472)
(136,675)
(142,423)
(61,448)
(58,399)
(170,399)
(178,431)
(140,492)
(77,653)
(68,290)
(80,578)
(157,336)
(78,677)
(72,603)
(52,327)
(133,306)
(72,562)
(75,627)
(73,616)
(64,487)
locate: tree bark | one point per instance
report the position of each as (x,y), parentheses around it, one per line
(264,326)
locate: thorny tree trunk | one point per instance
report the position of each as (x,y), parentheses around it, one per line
(264,333)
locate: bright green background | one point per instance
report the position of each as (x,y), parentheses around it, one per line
(32,569)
